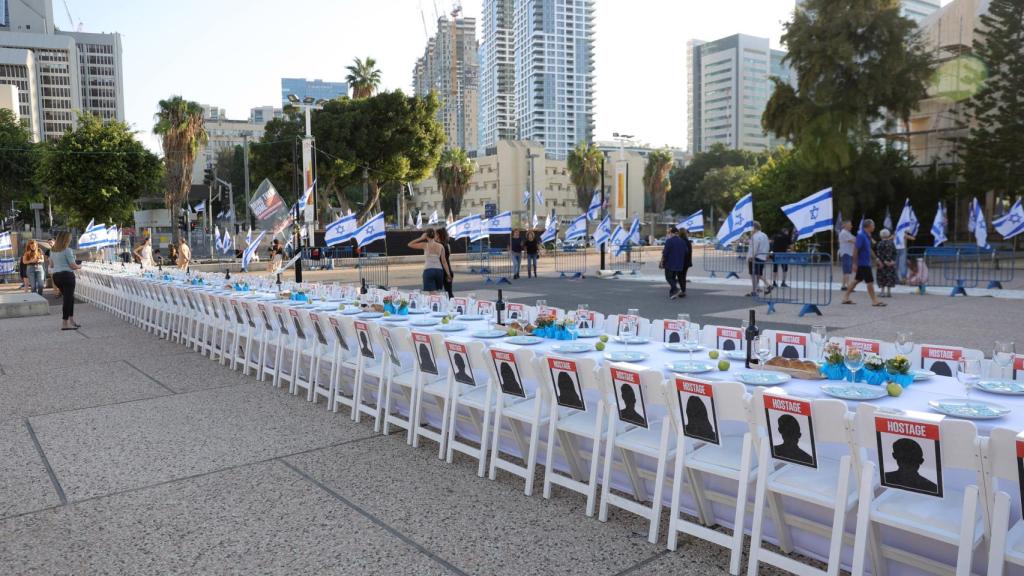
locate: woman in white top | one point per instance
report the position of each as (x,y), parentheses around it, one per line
(144,253)
(435,266)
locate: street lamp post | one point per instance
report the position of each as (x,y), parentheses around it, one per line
(307,104)
(533,190)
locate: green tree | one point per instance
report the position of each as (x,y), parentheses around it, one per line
(180,123)
(722,187)
(17,162)
(992,156)
(584,163)
(98,171)
(389,137)
(856,63)
(454,172)
(656,178)
(275,155)
(683,197)
(363,77)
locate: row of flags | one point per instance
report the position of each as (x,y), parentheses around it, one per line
(99,236)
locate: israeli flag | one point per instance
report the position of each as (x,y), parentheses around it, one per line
(811,215)
(632,237)
(92,226)
(577,228)
(307,197)
(526,197)
(907,224)
(113,236)
(94,237)
(480,230)
(694,223)
(433,218)
(465,227)
(551,231)
(340,230)
(501,224)
(536,221)
(603,232)
(1011,223)
(540,197)
(939,226)
(216,236)
(371,231)
(225,242)
(594,211)
(248,236)
(251,249)
(5,241)
(419,220)
(201,207)
(980,228)
(740,220)
(617,237)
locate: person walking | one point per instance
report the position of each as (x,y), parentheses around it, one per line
(757,256)
(532,245)
(516,248)
(32,260)
(673,262)
(901,257)
(449,279)
(62,269)
(144,253)
(863,258)
(184,255)
(886,252)
(276,256)
(846,242)
(26,286)
(435,267)
(781,243)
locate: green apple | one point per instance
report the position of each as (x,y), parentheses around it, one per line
(894,389)
(713,354)
(723,365)
(444,320)
(599,346)
(604,338)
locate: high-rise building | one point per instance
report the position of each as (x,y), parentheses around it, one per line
(224,134)
(497,75)
(316,89)
(728,86)
(58,73)
(916,10)
(554,72)
(450,67)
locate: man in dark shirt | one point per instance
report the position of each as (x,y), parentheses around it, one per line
(675,259)
(781,243)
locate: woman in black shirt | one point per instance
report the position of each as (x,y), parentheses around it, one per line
(532,246)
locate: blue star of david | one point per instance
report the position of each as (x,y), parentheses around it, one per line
(369,228)
(814,212)
(738,218)
(1016,219)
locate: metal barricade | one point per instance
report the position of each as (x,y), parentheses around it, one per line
(373,269)
(808,282)
(728,261)
(499,267)
(963,267)
(478,257)
(629,261)
(571,262)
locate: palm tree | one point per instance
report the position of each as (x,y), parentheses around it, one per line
(656,177)
(180,123)
(454,172)
(363,77)
(584,163)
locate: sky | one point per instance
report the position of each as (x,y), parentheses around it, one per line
(233,53)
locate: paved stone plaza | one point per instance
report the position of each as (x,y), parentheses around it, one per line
(126,454)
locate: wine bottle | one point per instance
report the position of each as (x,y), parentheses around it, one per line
(499,307)
(752,332)
(362,288)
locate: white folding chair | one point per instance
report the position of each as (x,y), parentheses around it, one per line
(792,345)
(725,338)
(884,349)
(286,351)
(1002,480)
(517,312)
(942,359)
(519,404)
(732,460)
(668,330)
(639,425)
(251,353)
(614,324)
(805,432)
(432,369)
(955,519)
(399,378)
(272,343)
(369,381)
(471,388)
(576,406)
(345,363)
(322,351)
(589,320)
(304,354)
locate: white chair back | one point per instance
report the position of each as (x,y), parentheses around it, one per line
(615,323)
(670,331)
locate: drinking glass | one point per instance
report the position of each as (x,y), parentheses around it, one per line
(684,318)
(854,360)
(691,337)
(819,335)
(968,372)
(904,342)
(763,347)
(471,303)
(1002,356)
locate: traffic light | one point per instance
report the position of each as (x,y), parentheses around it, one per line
(208,177)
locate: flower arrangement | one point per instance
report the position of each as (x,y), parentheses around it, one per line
(834,368)
(874,371)
(551,327)
(395,305)
(545,321)
(898,370)
(833,353)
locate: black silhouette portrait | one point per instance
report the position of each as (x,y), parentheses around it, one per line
(435,306)
(364,345)
(462,374)
(673,338)
(789,449)
(281,323)
(584,323)
(728,345)
(627,410)
(909,457)
(391,351)
(567,393)
(513,314)
(319,333)
(790,352)
(298,328)
(341,339)
(698,421)
(510,380)
(427,360)
(460,309)
(941,368)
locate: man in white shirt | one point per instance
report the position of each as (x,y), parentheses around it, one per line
(846,242)
(757,256)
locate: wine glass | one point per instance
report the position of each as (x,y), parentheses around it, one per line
(1002,356)
(471,303)
(763,348)
(691,337)
(904,342)
(683,318)
(819,335)
(541,304)
(968,372)
(854,360)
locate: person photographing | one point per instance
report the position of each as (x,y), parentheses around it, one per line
(435,265)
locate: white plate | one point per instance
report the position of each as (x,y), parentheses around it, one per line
(371,315)
(687,367)
(351,311)
(489,334)
(922,374)
(469,317)
(620,356)
(855,391)
(396,318)
(425,322)
(736,355)
(451,327)
(572,348)
(676,347)
(588,333)
(760,378)
(1007,387)
(969,409)
(416,312)
(632,340)
(524,340)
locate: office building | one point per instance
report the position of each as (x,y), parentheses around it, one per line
(728,86)
(58,74)
(316,89)
(916,10)
(497,75)
(225,134)
(554,72)
(450,68)
(9,99)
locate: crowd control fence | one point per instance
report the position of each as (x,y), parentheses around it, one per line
(373,269)
(808,282)
(961,267)
(630,261)
(571,262)
(729,262)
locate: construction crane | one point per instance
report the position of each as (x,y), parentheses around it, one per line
(71,20)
